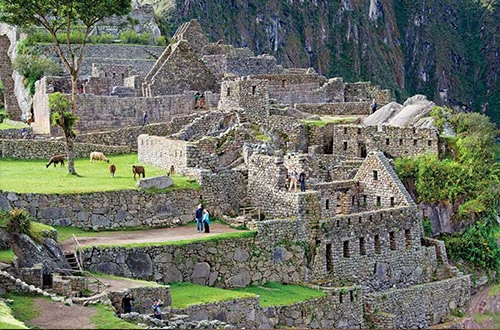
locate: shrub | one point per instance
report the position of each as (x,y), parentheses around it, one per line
(17,221)
(132,37)
(33,68)
(3,115)
(106,38)
(161,41)
(477,247)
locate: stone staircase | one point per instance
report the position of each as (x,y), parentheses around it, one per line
(73,261)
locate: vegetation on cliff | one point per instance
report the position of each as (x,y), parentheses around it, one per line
(467,177)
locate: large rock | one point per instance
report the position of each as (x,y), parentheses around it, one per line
(159,182)
(172,275)
(29,253)
(201,273)
(240,280)
(140,264)
(241,255)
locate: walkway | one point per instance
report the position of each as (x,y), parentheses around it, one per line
(146,236)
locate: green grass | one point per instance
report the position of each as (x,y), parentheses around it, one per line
(112,277)
(36,228)
(324,121)
(262,137)
(185,294)
(494,290)
(64,233)
(24,308)
(7,320)
(105,318)
(277,294)
(6,256)
(214,238)
(95,177)
(8,124)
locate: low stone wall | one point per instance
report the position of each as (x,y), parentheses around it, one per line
(108,210)
(236,262)
(242,313)
(127,136)
(15,133)
(32,275)
(44,149)
(143,298)
(419,306)
(336,109)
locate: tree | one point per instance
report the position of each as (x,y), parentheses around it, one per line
(62,116)
(62,16)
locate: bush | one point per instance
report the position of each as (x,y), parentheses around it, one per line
(17,221)
(477,247)
(3,115)
(33,68)
(161,41)
(106,38)
(132,37)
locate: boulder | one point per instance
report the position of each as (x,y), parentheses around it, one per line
(240,280)
(241,255)
(201,273)
(172,275)
(140,264)
(159,182)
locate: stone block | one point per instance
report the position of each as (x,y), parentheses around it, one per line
(159,182)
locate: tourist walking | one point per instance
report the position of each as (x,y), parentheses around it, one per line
(199,219)
(206,221)
(302,180)
(156,308)
(293,180)
(197,100)
(374,105)
(202,100)
(144,118)
(127,303)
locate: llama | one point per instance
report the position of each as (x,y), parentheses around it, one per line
(94,155)
(112,170)
(138,170)
(55,160)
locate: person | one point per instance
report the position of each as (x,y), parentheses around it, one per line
(24,132)
(144,118)
(196,100)
(374,105)
(206,221)
(293,180)
(302,180)
(29,120)
(199,219)
(24,117)
(202,100)
(156,308)
(127,303)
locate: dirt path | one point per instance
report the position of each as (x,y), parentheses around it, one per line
(59,316)
(147,236)
(477,304)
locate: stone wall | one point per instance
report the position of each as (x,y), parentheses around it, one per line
(223,263)
(354,141)
(424,305)
(128,136)
(10,100)
(365,91)
(242,313)
(44,149)
(15,133)
(109,210)
(224,192)
(336,109)
(221,64)
(143,298)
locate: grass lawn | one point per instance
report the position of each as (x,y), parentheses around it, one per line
(8,124)
(6,256)
(323,121)
(185,294)
(276,294)
(214,238)
(112,277)
(7,320)
(24,308)
(105,318)
(31,176)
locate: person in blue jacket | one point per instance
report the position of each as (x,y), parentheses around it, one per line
(199,219)
(206,221)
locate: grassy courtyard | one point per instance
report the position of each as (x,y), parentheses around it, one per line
(9,124)
(277,294)
(31,176)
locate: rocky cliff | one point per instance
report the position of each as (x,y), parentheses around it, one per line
(448,50)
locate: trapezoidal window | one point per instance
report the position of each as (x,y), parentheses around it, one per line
(375,175)
(345,130)
(283,83)
(328,255)
(254,88)
(229,91)
(415,142)
(392,201)
(359,131)
(392,240)
(387,141)
(346,249)
(378,247)
(345,146)
(429,143)
(400,142)
(408,238)
(327,204)
(362,247)
(379,202)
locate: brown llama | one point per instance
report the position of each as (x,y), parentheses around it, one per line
(138,170)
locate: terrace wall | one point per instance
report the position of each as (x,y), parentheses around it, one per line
(108,210)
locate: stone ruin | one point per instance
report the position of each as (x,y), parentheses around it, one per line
(355,224)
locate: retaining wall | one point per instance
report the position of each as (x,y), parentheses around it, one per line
(107,210)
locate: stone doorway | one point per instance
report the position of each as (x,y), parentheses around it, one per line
(362,149)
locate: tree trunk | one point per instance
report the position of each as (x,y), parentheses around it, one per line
(74,90)
(69,154)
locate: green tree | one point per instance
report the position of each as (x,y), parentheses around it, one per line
(63,16)
(62,116)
